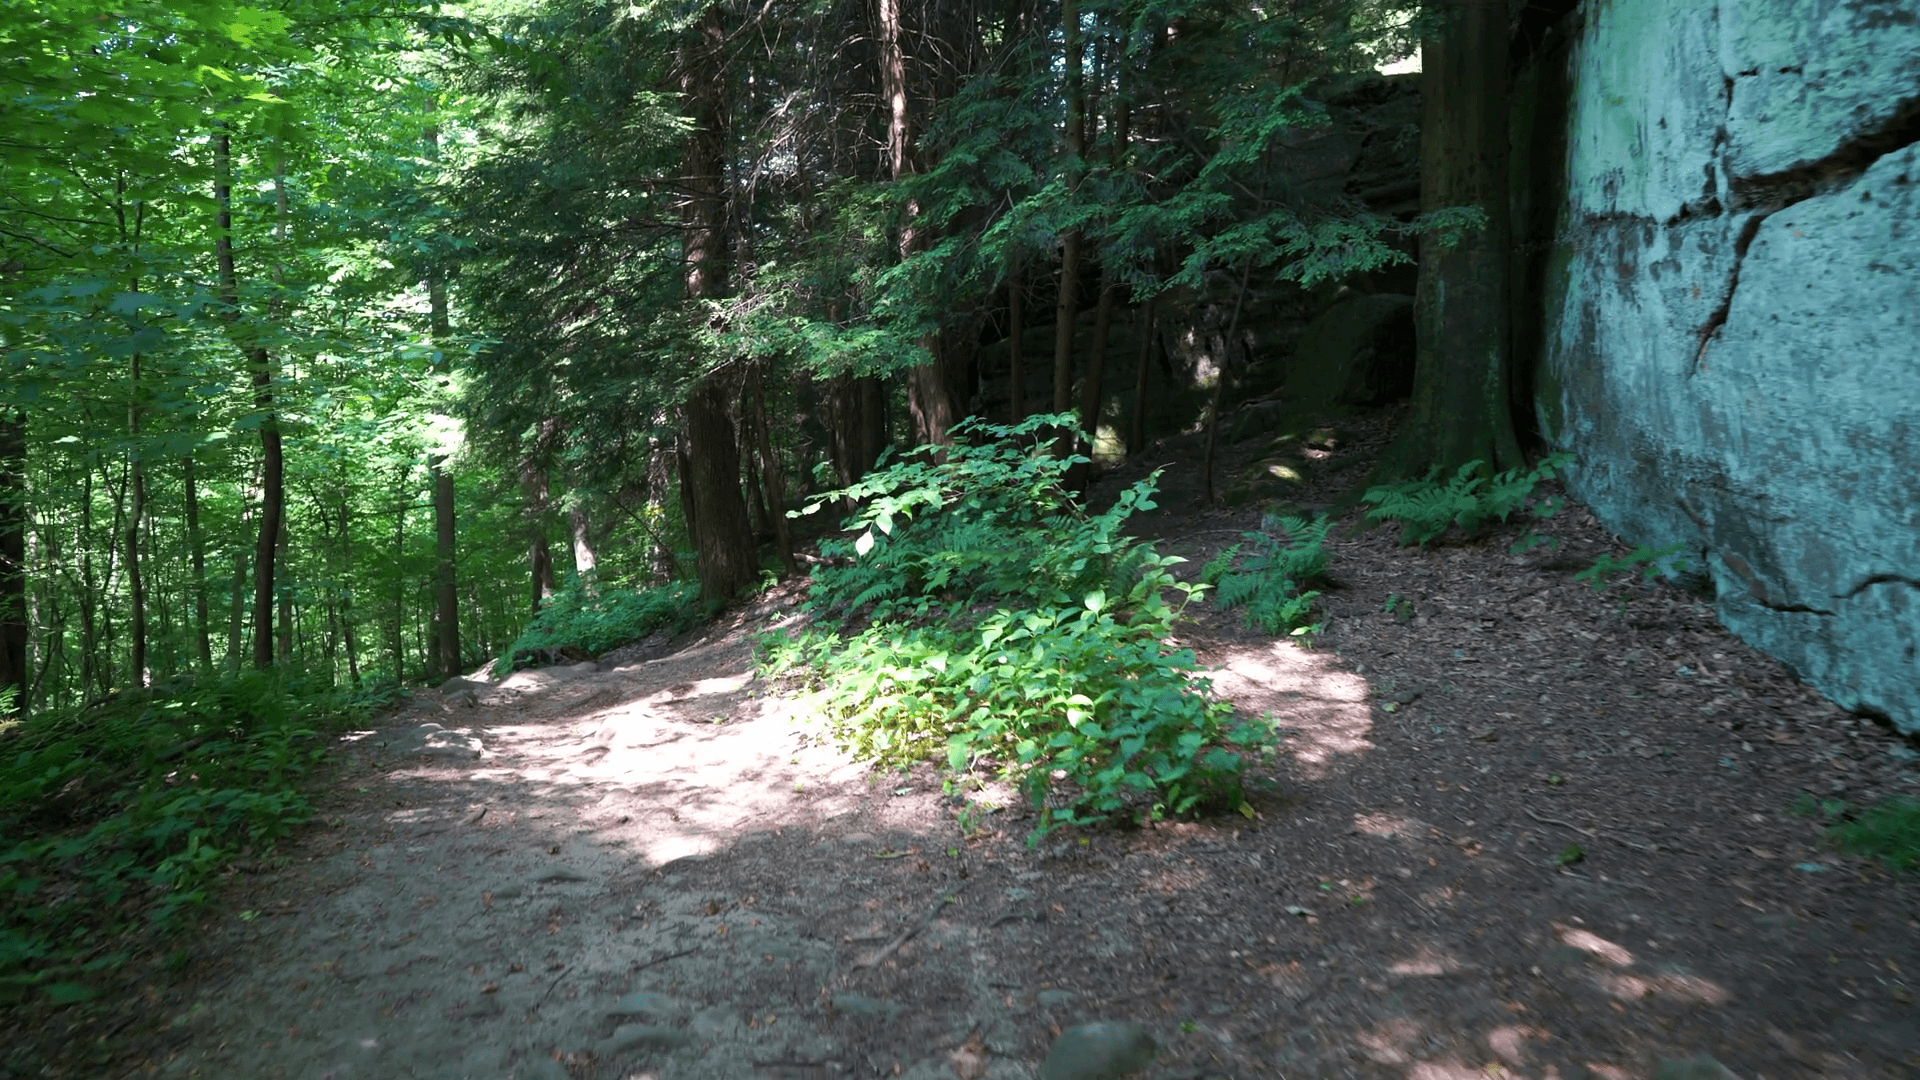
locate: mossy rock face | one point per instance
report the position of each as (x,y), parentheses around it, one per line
(1360,351)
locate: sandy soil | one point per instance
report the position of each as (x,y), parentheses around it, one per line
(655,871)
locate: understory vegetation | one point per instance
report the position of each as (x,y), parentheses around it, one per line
(121,815)
(583,616)
(1888,830)
(1429,508)
(1265,575)
(982,619)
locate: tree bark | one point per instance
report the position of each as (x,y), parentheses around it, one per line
(775,484)
(1137,432)
(1065,311)
(1016,330)
(710,462)
(929,389)
(1462,409)
(447,591)
(13,560)
(197,545)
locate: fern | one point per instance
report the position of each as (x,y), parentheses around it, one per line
(1426,509)
(1266,581)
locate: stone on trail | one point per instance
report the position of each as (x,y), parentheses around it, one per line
(1101,1050)
(862,1005)
(435,741)
(643,1037)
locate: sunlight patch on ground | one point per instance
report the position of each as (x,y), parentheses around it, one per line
(1323,707)
(1429,1070)
(1688,988)
(1388,825)
(1509,1041)
(1589,942)
(1429,961)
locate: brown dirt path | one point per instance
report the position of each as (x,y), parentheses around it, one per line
(621,887)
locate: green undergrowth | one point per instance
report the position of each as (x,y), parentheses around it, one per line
(1265,575)
(982,620)
(1429,508)
(120,816)
(596,619)
(1889,830)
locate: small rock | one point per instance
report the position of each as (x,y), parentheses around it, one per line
(643,1037)
(1703,1067)
(587,667)
(1050,998)
(1102,1050)
(458,685)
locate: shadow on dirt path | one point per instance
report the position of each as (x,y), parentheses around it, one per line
(1519,830)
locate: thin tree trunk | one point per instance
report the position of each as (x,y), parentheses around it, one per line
(770,476)
(1137,433)
(136,582)
(346,595)
(1220,381)
(929,390)
(536,486)
(283,595)
(13,562)
(1065,311)
(1016,332)
(447,591)
(197,545)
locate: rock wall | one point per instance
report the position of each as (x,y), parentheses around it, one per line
(1731,301)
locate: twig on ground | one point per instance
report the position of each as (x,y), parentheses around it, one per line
(926,917)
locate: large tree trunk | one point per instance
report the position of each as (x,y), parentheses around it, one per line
(710,462)
(710,481)
(1462,409)
(13,559)
(770,477)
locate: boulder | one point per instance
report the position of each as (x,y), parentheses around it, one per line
(1101,1050)
(1360,351)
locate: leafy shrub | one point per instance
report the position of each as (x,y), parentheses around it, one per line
(1606,569)
(126,811)
(1007,628)
(1889,830)
(1266,580)
(596,620)
(1427,508)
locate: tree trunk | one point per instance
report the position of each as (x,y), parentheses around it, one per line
(447,593)
(197,543)
(710,480)
(929,390)
(709,458)
(1137,432)
(770,476)
(1065,311)
(346,595)
(585,561)
(1462,409)
(13,562)
(1016,331)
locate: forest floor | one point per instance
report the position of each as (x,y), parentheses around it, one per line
(1521,829)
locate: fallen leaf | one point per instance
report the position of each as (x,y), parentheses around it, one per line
(490,988)
(1296,909)
(970,1058)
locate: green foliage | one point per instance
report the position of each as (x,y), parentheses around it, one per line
(598,619)
(1007,629)
(124,813)
(1889,830)
(1265,575)
(1426,509)
(1607,569)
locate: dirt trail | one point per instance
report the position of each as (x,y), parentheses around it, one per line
(524,883)
(1518,830)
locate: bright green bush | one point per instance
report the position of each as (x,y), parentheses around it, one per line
(1007,629)
(596,620)
(1889,830)
(1427,508)
(1265,575)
